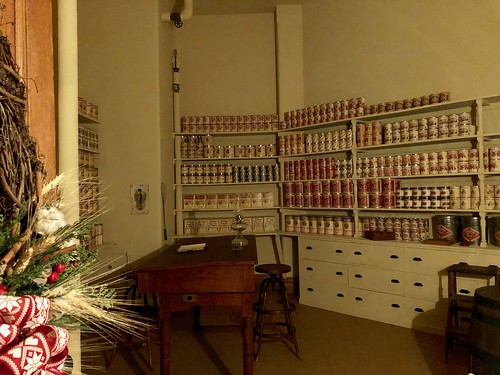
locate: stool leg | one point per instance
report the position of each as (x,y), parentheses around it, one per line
(288,316)
(259,322)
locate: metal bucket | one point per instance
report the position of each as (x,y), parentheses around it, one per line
(447,227)
(493,223)
(471,230)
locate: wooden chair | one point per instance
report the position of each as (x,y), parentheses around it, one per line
(147,309)
(460,305)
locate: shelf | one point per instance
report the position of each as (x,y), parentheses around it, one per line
(421,176)
(229,184)
(85,119)
(228,209)
(294,156)
(226,159)
(89,150)
(491,136)
(418,143)
(419,210)
(225,134)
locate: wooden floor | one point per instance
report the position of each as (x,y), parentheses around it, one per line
(330,343)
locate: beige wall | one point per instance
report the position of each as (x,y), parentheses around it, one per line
(391,49)
(227,64)
(119,69)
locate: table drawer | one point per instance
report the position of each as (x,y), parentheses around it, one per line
(326,250)
(379,280)
(389,257)
(323,271)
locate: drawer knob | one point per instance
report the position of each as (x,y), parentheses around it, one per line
(417,259)
(395,281)
(394,256)
(419,309)
(338,251)
(418,284)
(309,268)
(309,248)
(340,295)
(358,299)
(339,273)
(310,289)
(358,253)
(395,305)
(358,276)
(464,291)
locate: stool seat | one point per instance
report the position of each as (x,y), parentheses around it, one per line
(273,269)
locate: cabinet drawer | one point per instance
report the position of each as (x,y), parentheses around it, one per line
(429,316)
(426,287)
(326,272)
(379,280)
(389,257)
(331,251)
(334,297)
(382,307)
(433,262)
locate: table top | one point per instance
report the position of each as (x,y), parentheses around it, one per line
(217,251)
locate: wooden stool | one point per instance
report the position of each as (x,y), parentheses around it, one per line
(274,282)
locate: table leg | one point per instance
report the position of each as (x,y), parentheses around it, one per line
(247,334)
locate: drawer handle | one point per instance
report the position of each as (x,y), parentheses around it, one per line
(358,253)
(394,256)
(358,276)
(418,284)
(419,309)
(339,273)
(309,248)
(338,251)
(340,295)
(310,289)
(395,281)
(395,305)
(417,259)
(309,268)
(464,291)
(358,299)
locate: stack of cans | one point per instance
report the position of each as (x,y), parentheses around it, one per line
(324,225)
(338,110)
(308,143)
(317,169)
(491,159)
(405,229)
(492,197)
(226,123)
(319,194)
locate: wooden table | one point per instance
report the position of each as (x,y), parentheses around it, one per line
(216,276)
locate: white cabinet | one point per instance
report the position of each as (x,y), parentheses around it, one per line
(398,283)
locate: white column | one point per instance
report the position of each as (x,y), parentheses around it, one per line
(67,46)
(68,103)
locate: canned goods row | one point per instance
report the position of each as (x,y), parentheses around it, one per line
(318,187)
(378,185)
(324,200)
(88,139)
(219,174)
(86,159)
(307,143)
(442,162)
(439,202)
(491,159)
(444,126)
(327,225)
(223,225)
(317,169)
(454,191)
(408,103)
(492,197)
(88,174)
(228,152)
(405,229)
(338,110)
(87,108)
(227,200)
(226,123)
